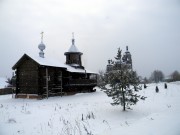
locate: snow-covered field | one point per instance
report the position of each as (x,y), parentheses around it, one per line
(92,114)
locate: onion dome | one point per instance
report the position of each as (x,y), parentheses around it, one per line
(41,47)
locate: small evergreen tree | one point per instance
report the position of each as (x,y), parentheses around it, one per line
(11,81)
(118,57)
(123,85)
(145,86)
(157,89)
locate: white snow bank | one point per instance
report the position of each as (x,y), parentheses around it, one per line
(177,82)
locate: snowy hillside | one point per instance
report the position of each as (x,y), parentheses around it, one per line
(92,113)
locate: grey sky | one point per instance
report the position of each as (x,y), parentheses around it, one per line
(151,29)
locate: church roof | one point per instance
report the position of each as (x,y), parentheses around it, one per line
(73,48)
(51,63)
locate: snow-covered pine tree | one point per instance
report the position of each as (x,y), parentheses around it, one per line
(122,84)
(118,57)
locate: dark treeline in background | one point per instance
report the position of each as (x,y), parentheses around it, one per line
(156,76)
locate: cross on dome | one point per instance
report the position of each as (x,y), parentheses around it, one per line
(73,40)
(42,36)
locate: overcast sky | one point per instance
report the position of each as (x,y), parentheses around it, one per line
(151,29)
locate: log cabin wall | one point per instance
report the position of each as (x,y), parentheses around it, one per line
(41,80)
(27,75)
(78,82)
(54,79)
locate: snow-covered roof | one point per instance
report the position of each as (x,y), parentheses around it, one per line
(54,63)
(48,62)
(73,48)
(78,70)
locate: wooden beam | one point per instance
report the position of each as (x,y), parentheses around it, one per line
(47,79)
(61,83)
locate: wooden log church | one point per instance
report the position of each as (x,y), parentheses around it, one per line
(38,77)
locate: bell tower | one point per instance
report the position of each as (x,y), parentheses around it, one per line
(127,59)
(73,55)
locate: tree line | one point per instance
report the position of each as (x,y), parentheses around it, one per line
(158,76)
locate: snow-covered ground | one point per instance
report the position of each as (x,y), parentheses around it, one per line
(92,113)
